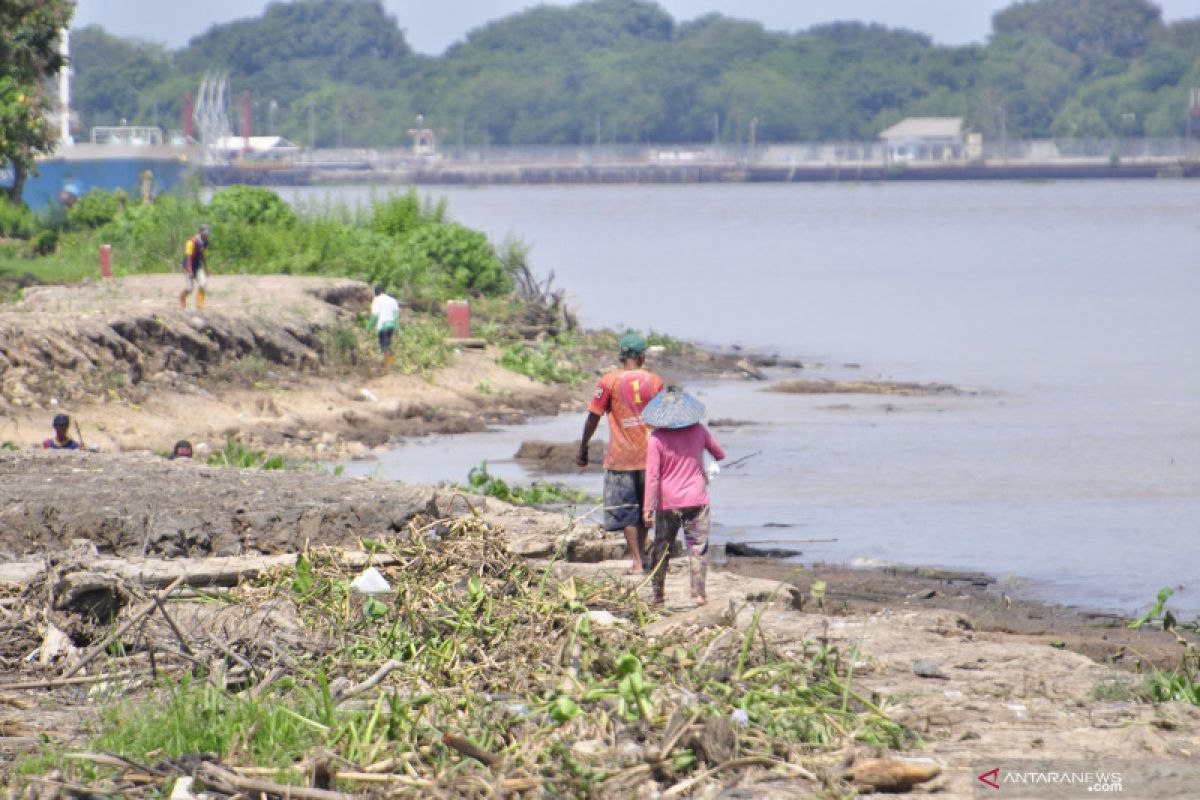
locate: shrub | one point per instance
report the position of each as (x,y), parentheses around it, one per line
(399,216)
(16,221)
(149,237)
(44,242)
(541,363)
(95,209)
(251,205)
(421,347)
(460,259)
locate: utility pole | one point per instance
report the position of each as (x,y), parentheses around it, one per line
(312,128)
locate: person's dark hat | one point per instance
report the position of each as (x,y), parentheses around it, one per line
(379,288)
(632,345)
(182,449)
(61,420)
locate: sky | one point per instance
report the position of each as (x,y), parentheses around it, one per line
(432,25)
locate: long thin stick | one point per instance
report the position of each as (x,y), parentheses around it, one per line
(54,683)
(129,623)
(175,628)
(371,682)
(750,761)
(257,786)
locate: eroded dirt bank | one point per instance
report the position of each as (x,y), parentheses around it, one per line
(275,360)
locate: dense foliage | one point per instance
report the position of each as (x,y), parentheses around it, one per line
(398,241)
(29,32)
(617,71)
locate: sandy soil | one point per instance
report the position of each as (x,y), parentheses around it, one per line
(138,372)
(1000,696)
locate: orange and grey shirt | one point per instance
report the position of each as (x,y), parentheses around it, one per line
(622,394)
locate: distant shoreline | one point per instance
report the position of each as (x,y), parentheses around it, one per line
(450,174)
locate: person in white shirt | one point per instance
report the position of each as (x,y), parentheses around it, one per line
(385,320)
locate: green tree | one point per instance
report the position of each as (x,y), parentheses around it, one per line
(29,33)
(1091,29)
(113,75)
(1027,79)
(617,71)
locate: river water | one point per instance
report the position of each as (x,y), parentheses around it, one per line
(1074,475)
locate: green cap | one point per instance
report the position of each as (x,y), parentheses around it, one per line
(632,345)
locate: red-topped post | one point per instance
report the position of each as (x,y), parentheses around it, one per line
(459,314)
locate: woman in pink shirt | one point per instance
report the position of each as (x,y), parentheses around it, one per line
(676,486)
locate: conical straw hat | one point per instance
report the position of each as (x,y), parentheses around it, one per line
(673,408)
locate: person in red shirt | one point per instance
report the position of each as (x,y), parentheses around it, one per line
(621,395)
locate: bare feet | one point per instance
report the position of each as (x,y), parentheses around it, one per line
(635,570)
(700,601)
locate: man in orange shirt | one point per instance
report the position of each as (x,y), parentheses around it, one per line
(622,394)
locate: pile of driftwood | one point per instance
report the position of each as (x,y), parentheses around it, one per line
(546,310)
(433,664)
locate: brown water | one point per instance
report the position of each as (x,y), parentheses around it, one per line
(1073,306)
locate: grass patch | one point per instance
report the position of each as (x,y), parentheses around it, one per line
(420,346)
(236,454)
(539,493)
(190,715)
(345,344)
(546,363)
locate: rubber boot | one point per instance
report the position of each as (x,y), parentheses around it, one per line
(200,299)
(183,299)
(388,360)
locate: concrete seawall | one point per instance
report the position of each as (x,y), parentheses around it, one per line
(541,174)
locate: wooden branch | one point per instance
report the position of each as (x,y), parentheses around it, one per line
(256,786)
(371,682)
(157,572)
(469,748)
(54,683)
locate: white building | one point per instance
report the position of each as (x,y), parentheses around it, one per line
(924,139)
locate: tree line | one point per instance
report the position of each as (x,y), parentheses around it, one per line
(340,72)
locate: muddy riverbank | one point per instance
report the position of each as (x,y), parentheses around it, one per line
(973,676)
